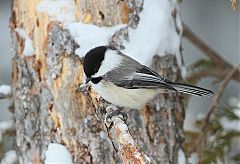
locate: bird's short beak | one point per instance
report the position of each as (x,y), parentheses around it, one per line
(88,79)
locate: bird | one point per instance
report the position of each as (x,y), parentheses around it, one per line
(124,82)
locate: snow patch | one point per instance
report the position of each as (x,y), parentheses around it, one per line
(103,134)
(58,154)
(234,125)
(190,122)
(89,36)
(230,124)
(28,45)
(155,34)
(61,10)
(237,112)
(234,101)
(201,116)
(5,90)
(10,157)
(181,157)
(5,125)
(193,159)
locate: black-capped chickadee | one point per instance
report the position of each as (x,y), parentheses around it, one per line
(124,82)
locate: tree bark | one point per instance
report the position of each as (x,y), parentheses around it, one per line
(47,107)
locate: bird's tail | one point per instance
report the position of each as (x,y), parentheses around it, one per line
(190,89)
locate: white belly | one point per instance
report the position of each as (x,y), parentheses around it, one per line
(130,98)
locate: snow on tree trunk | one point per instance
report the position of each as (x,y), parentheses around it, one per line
(49,40)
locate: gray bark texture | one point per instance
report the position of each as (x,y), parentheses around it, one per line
(48,108)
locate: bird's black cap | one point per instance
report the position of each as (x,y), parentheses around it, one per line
(93,59)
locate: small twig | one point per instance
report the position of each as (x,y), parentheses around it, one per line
(217,72)
(191,36)
(219,94)
(222,66)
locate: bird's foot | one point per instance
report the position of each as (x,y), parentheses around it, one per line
(83,88)
(114,111)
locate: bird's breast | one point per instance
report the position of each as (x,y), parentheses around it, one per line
(130,98)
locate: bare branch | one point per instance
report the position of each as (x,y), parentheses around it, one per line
(223,67)
(191,36)
(218,72)
(219,94)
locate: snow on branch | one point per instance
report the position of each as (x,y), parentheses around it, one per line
(61,10)
(10,157)
(57,153)
(5,91)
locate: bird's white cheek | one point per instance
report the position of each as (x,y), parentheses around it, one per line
(111,61)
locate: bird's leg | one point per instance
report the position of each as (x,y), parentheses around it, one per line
(83,88)
(114,111)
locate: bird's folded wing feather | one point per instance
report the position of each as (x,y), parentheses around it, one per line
(144,78)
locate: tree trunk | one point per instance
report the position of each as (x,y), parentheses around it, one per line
(47,73)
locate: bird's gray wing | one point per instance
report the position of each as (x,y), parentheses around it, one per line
(143,77)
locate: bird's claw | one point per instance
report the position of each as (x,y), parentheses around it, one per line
(83,88)
(118,111)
